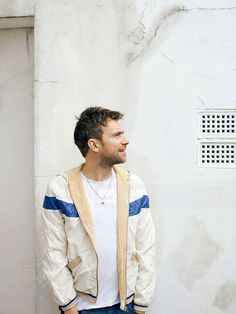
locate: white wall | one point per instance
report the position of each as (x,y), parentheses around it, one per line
(17,216)
(12,8)
(158,65)
(157,61)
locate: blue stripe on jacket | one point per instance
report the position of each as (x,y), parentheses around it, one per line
(136,206)
(68,209)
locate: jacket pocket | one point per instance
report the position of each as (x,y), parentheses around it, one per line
(85,272)
(74,262)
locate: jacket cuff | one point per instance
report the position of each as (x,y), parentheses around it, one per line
(140,307)
(69,305)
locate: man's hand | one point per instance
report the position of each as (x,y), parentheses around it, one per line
(72,310)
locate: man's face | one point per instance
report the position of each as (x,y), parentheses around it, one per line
(113,150)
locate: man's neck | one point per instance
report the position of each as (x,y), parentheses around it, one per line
(96,172)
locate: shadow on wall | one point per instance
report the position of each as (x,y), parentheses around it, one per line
(225,295)
(196,254)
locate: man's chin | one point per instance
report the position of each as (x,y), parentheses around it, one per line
(119,161)
(111,162)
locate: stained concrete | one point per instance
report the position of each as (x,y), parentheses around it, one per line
(225,295)
(196,253)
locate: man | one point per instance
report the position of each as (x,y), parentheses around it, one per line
(99,236)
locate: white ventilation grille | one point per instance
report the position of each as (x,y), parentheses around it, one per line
(217,124)
(217,138)
(217,154)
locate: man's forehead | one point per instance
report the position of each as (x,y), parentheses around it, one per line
(113,126)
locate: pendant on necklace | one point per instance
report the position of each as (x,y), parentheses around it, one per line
(102,202)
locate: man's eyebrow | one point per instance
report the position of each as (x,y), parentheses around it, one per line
(118,132)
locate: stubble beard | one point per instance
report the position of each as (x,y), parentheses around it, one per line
(110,161)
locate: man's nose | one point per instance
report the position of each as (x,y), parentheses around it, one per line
(125,141)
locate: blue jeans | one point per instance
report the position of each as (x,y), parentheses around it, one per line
(114,309)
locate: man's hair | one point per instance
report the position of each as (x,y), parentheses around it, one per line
(89,125)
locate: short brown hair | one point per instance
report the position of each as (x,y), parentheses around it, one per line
(89,125)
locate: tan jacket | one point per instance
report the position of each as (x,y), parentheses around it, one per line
(70,261)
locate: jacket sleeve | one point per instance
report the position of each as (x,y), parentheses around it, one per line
(56,272)
(146,255)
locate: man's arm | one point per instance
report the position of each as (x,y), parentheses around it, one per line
(146,254)
(55,261)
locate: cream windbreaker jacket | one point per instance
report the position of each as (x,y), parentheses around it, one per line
(70,262)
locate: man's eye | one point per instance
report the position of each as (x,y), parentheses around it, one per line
(119,134)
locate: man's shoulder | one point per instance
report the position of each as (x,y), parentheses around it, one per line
(135,178)
(57,182)
(138,190)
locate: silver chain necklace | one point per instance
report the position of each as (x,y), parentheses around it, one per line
(100,197)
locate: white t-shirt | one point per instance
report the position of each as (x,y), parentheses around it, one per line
(105,228)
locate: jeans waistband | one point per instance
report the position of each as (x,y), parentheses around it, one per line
(117,305)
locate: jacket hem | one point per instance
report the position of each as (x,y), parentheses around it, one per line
(69,305)
(140,307)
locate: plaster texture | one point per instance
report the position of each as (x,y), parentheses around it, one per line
(158,62)
(17,215)
(12,8)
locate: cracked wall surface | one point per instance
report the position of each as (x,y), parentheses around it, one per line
(158,62)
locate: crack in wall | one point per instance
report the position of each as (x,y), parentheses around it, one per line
(45,81)
(204,105)
(167,14)
(167,57)
(138,34)
(207,9)
(28,34)
(163,18)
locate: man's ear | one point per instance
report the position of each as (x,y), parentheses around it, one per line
(94,145)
